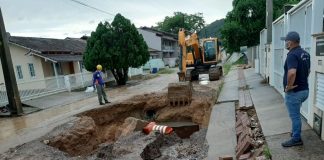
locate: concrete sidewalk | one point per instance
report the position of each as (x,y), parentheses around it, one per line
(273,117)
(221,129)
(276,125)
(59,99)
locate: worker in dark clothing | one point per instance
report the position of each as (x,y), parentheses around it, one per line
(99,84)
(295,82)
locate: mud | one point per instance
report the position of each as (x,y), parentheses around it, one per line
(96,134)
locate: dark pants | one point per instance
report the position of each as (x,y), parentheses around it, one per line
(101,93)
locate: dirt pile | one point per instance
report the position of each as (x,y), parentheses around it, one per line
(138,146)
(78,140)
(155,146)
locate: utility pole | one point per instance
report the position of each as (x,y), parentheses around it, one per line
(15,106)
(269,19)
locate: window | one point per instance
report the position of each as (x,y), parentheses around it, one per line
(58,69)
(19,72)
(31,70)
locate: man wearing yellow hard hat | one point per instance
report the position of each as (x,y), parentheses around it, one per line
(99,83)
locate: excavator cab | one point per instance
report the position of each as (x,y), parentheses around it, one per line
(210,51)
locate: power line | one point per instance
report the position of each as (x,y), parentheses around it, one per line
(86,5)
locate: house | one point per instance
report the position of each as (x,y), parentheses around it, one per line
(45,66)
(162,45)
(155,54)
(40,58)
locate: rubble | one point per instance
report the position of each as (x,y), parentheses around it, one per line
(250,139)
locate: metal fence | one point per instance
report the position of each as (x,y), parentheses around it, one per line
(44,87)
(262,53)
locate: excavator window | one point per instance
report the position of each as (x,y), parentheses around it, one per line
(210,51)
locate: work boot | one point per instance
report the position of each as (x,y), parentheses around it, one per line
(101,103)
(292,142)
(107,102)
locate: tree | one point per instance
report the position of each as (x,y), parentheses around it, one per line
(190,22)
(235,36)
(243,24)
(116,46)
(278,6)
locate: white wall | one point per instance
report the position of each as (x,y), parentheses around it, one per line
(316,28)
(262,53)
(19,58)
(151,39)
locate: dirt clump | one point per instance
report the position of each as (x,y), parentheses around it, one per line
(80,139)
(130,125)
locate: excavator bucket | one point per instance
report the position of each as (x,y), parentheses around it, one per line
(180,94)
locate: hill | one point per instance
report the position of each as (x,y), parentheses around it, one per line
(212,30)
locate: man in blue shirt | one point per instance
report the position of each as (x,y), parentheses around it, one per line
(99,83)
(295,81)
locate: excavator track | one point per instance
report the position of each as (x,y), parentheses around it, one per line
(215,73)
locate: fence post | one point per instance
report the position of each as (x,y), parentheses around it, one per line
(67,83)
(82,80)
(56,76)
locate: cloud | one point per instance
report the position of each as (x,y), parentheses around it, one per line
(84,32)
(60,17)
(91,22)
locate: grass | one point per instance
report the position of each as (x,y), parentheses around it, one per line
(166,71)
(226,68)
(220,89)
(239,61)
(267,153)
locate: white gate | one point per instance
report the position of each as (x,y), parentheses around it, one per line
(278,55)
(262,53)
(299,20)
(48,86)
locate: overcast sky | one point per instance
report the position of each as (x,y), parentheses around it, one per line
(65,18)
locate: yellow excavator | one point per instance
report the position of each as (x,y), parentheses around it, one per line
(195,58)
(198,58)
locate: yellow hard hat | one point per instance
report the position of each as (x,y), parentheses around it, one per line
(99,67)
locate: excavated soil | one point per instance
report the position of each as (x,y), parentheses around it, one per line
(104,133)
(103,125)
